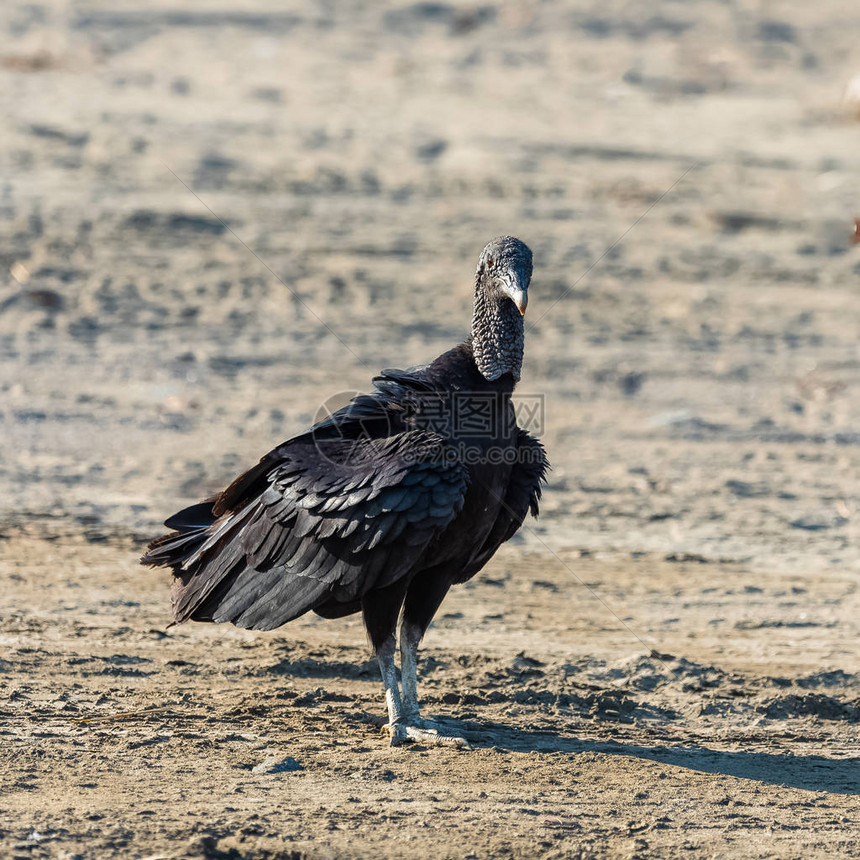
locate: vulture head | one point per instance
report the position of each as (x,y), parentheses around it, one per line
(501,296)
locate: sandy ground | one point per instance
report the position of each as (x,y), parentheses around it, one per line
(216,216)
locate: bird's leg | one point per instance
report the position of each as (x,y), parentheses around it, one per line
(385,657)
(424,729)
(380,617)
(380,611)
(410,636)
(403,724)
(414,726)
(411,726)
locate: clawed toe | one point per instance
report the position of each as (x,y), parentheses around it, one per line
(401,733)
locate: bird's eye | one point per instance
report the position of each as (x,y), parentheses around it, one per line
(490,262)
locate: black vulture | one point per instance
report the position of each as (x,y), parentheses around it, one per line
(381,507)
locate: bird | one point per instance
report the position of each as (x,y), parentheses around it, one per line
(381,507)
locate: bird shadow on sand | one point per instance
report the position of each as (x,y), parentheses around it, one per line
(808,772)
(309,667)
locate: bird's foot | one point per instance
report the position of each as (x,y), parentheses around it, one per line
(423,731)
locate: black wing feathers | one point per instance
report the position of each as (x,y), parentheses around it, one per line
(195,517)
(349,506)
(522,496)
(332,513)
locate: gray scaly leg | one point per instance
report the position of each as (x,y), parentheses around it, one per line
(411,725)
(385,657)
(410,636)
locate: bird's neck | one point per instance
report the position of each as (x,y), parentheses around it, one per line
(497,337)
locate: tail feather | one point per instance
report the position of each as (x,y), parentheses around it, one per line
(263,600)
(171,550)
(214,561)
(291,597)
(195,517)
(189,534)
(220,574)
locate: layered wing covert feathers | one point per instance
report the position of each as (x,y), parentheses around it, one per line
(342,509)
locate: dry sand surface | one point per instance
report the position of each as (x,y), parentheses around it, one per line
(665,664)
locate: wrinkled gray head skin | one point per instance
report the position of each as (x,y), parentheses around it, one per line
(501,296)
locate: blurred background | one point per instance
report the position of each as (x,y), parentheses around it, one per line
(215,215)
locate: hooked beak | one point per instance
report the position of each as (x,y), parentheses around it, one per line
(518,296)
